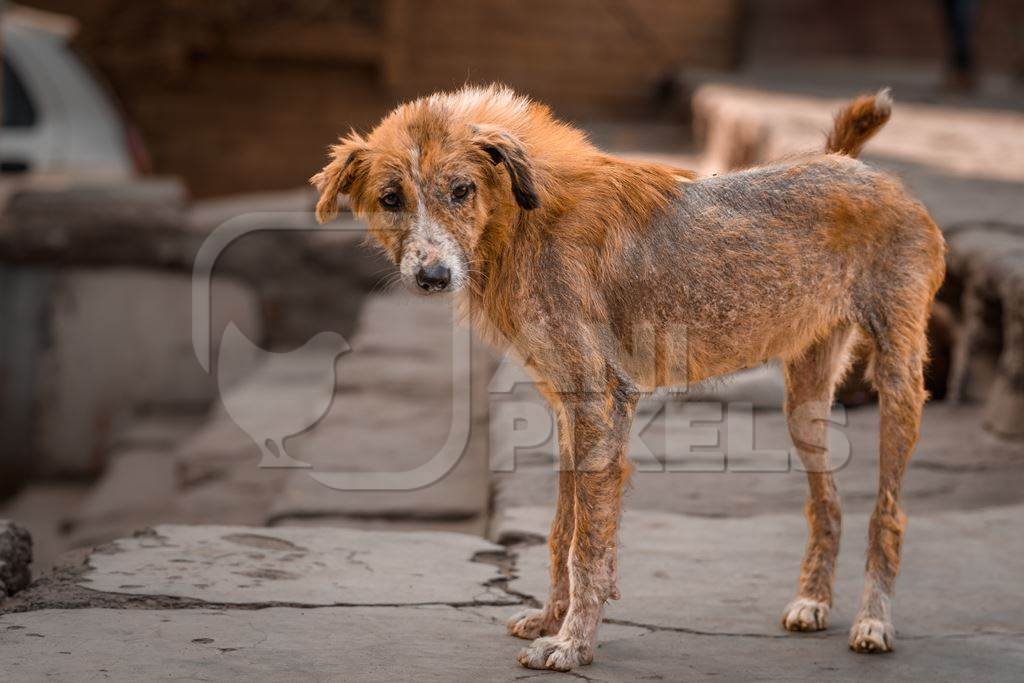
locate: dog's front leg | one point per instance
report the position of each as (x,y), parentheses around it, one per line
(600,431)
(546,621)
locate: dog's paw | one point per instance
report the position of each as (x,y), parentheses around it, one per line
(530,624)
(805,614)
(559,654)
(871,635)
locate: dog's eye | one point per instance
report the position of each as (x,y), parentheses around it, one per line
(391,200)
(461,191)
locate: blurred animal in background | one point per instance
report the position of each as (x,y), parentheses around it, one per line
(287,394)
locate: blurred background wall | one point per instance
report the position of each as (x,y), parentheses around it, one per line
(890,30)
(217,88)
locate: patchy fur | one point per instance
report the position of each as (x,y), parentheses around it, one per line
(611,277)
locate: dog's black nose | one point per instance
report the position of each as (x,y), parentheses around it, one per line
(433,278)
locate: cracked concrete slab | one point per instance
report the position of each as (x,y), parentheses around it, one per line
(330,644)
(402,643)
(960,575)
(299,566)
(666,655)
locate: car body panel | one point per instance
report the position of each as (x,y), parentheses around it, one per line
(77,130)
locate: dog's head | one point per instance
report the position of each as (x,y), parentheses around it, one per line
(432,178)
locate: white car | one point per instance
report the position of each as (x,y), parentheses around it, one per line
(56,118)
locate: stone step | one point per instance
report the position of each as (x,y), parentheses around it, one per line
(407,400)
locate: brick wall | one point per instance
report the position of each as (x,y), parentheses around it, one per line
(898,30)
(245,95)
(583,56)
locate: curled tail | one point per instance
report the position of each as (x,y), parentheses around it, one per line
(856,122)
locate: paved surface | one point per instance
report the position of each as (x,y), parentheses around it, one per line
(708,561)
(701,599)
(734,576)
(402,643)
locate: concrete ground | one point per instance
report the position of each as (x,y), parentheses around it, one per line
(701,599)
(710,550)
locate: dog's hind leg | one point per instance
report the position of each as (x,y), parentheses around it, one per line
(897,371)
(810,381)
(546,621)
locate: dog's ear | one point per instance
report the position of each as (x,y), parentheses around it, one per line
(348,162)
(505,148)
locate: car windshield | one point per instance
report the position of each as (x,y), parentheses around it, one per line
(18,110)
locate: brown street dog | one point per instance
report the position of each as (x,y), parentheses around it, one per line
(610,278)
